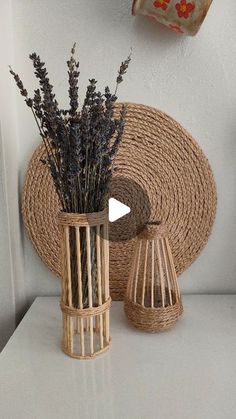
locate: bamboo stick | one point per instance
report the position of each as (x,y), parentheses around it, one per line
(132,274)
(80,290)
(162,279)
(65,333)
(64,265)
(106,276)
(106,264)
(82,336)
(153,273)
(90,290)
(68,265)
(174,276)
(145,272)
(64,342)
(164,252)
(137,272)
(99,279)
(79,273)
(70,334)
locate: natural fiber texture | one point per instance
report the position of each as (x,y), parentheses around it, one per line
(164,160)
(153,300)
(153,230)
(82,220)
(85,298)
(86,312)
(152,319)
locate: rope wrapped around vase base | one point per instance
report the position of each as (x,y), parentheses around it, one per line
(152,319)
(77,324)
(85,297)
(153,301)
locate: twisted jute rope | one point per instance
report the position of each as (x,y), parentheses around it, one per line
(85,312)
(91,219)
(163,159)
(153,230)
(152,319)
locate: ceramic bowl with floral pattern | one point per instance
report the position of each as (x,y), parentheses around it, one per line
(182,16)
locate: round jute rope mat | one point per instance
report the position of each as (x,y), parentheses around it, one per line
(163,159)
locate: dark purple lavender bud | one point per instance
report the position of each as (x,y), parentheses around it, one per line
(123,69)
(29,102)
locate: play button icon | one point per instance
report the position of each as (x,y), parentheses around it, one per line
(117,210)
(129,208)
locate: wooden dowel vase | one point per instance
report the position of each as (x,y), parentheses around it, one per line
(85,298)
(153,301)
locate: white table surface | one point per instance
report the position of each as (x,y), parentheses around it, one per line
(188,372)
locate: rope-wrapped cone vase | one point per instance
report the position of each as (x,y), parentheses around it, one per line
(153,301)
(85,297)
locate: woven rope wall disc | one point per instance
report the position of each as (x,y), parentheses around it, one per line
(162,158)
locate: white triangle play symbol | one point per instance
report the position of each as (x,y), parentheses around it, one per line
(117,210)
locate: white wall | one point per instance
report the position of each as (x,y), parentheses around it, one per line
(192,79)
(12,284)
(7,306)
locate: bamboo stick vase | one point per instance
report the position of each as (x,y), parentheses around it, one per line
(85,298)
(153,302)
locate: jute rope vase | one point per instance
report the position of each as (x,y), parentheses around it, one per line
(85,298)
(153,301)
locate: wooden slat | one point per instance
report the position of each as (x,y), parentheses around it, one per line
(79,273)
(152,274)
(137,271)
(106,250)
(167,269)
(90,290)
(64,265)
(132,275)
(106,276)
(174,276)
(68,265)
(70,334)
(162,278)
(99,279)
(82,347)
(80,321)
(145,272)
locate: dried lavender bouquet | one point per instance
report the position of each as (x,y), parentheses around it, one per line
(81,142)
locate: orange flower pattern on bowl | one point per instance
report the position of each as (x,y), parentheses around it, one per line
(184,9)
(181,16)
(162,4)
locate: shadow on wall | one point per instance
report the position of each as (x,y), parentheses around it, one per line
(144,29)
(155,32)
